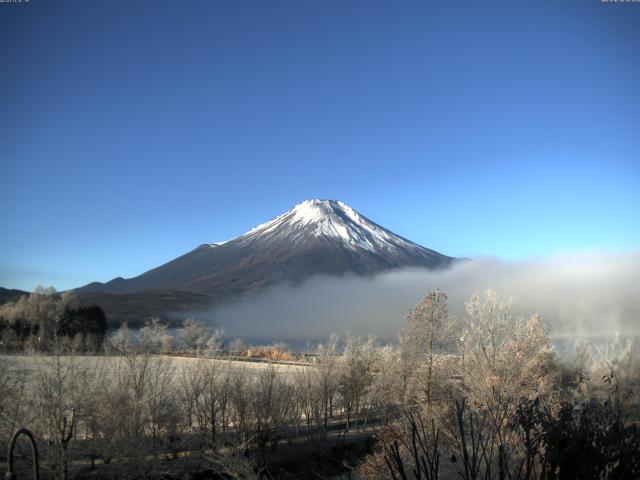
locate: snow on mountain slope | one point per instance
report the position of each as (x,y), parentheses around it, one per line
(325,218)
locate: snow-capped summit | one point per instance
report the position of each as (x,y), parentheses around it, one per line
(331,219)
(325,237)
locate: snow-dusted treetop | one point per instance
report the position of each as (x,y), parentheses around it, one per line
(331,219)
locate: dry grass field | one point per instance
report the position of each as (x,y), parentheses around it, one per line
(31,363)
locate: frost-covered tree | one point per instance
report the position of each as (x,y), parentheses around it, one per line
(389,385)
(151,335)
(60,389)
(166,343)
(44,319)
(35,315)
(217,341)
(238,346)
(502,361)
(326,375)
(504,358)
(431,331)
(356,374)
(122,340)
(271,405)
(194,334)
(612,369)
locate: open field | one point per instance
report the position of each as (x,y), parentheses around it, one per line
(169,413)
(32,363)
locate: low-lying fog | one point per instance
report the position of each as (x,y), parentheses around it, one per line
(589,294)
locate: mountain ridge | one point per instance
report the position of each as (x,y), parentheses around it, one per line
(314,237)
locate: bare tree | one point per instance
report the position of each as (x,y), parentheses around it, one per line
(16,397)
(35,316)
(356,374)
(271,406)
(62,385)
(504,357)
(123,341)
(200,385)
(431,331)
(216,342)
(327,374)
(238,347)
(387,393)
(152,334)
(194,335)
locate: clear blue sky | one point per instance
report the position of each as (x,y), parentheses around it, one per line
(131,132)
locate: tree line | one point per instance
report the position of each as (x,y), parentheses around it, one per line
(44,318)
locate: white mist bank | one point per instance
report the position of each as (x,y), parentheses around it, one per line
(588,294)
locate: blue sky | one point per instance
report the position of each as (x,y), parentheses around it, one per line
(131,132)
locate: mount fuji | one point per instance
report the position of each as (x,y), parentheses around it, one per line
(316,237)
